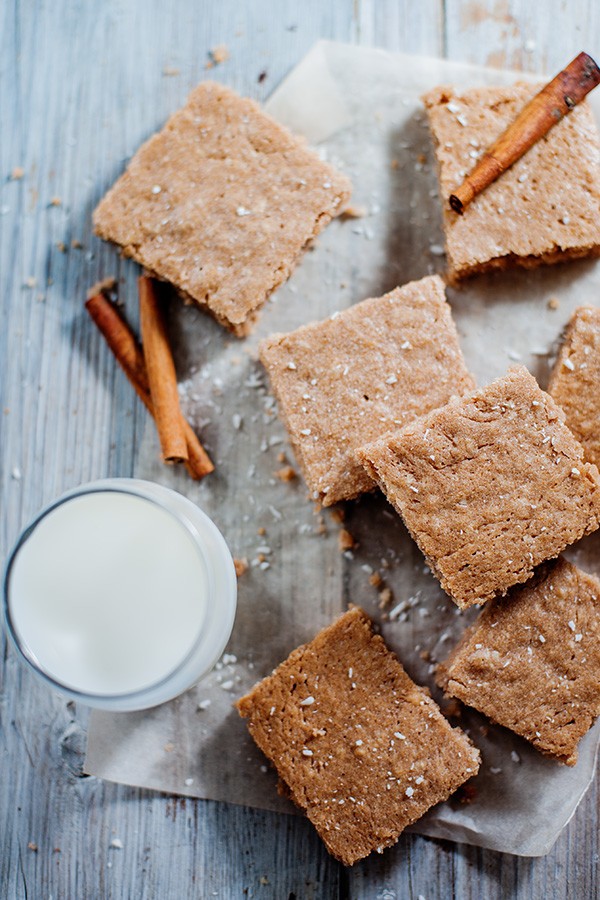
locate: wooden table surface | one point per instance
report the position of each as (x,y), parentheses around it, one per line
(69,70)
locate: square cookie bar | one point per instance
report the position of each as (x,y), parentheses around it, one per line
(575,379)
(221,203)
(349,379)
(360,747)
(531,661)
(544,209)
(489,486)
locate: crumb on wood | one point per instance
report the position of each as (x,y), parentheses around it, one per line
(56,201)
(241,566)
(394,164)
(219,54)
(345,540)
(262,76)
(169,747)
(170,71)
(286,473)
(32,846)
(16,174)
(76,245)
(61,246)
(261,531)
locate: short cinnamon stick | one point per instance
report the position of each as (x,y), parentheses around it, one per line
(128,353)
(162,377)
(543,111)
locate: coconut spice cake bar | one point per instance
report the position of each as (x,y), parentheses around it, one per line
(531,661)
(489,486)
(221,203)
(575,379)
(360,747)
(347,380)
(544,209)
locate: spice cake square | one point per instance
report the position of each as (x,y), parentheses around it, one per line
(489,486)
(360,747)
(531,661)
(347,380)
(575,379)
(221,203)
(544,209)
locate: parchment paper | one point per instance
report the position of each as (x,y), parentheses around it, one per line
(363,106)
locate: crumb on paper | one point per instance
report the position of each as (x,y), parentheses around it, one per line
(262,76)
(385,597)
(189,782)
(553,303)
(241,566)
(287,473)
(204,704)
(354,212)
(345,540)
(376,580)
(219,54)
(338,514)
(169,747)
(102,287)
(16,174)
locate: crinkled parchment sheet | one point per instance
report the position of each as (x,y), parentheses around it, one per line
(361,106)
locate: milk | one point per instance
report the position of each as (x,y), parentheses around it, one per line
(109,594)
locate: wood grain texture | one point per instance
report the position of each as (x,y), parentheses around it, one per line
(69,71)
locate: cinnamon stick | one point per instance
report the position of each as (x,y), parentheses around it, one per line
(160,370)
(128,353)
(543,111)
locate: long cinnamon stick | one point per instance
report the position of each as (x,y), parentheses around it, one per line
(128,353)
(160,370)
(543,111)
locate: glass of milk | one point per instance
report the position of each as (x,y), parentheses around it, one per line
(121,594)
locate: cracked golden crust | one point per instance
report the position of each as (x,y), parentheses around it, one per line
(350,378)
(357,745)
(489,486)
(221,203)
(544,209)
(531,661)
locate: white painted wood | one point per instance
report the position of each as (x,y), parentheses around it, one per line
(69,71)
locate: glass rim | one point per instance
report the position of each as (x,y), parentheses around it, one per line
(21,645)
